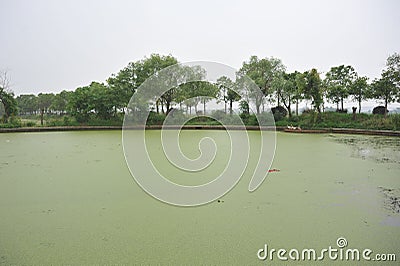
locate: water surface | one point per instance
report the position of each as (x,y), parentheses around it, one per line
(68,198)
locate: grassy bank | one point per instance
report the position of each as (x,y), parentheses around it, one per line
(305,121)
(340,120)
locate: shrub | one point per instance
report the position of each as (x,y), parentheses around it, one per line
(279,112)
(155,119)
(395,120)
(380,110)
(30,124)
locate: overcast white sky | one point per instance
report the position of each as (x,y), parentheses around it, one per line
(48,46)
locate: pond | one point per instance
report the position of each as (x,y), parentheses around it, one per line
(69,198)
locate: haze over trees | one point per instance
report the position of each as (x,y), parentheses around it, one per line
(109,100)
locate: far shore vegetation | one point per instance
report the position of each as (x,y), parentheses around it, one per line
(104,104)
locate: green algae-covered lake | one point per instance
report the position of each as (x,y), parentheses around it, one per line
(67,198)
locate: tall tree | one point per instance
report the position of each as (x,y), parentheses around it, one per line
(123,85)
(151,65)
(9,103)
(27,104)
(387,88)
(262,72)
(311,86)
(208,91)
(44,101)
(289,91)
(224,84)
(232,96)
(338,81)
(60,102)
(393,69)
(126,81)
(7,97)
(189,92)
(101,100)
(359,90)
(80,104)
(227,92)
(299,93)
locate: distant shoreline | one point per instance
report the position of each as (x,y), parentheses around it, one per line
(391,133)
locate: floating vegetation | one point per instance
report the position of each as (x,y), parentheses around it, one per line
(392,199)
(377,148)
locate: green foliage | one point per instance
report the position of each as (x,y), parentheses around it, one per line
(360,90)
(263,72)
(27,104)
(226,92)
(310,83)
(44,101)
(190,93)
(80,104)
(288,90)
(60,101)
(11,122)
(244,107)
(338,82)
(395,121)
(279,112)
(385,89)
(208,92)
(124,84)
(393,69)
(30,124)
(202,120)
(151,65)
(155,119)
(341,120)
(9,104)
(105,104)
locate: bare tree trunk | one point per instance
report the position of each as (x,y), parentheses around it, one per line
(359,106)
(157,106)
(386,103)
(279,102)
(354,113)
(41,116)
(225,106)
(167,106)
(230,107)
(258,108)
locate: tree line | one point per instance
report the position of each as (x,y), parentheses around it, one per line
(284,89)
